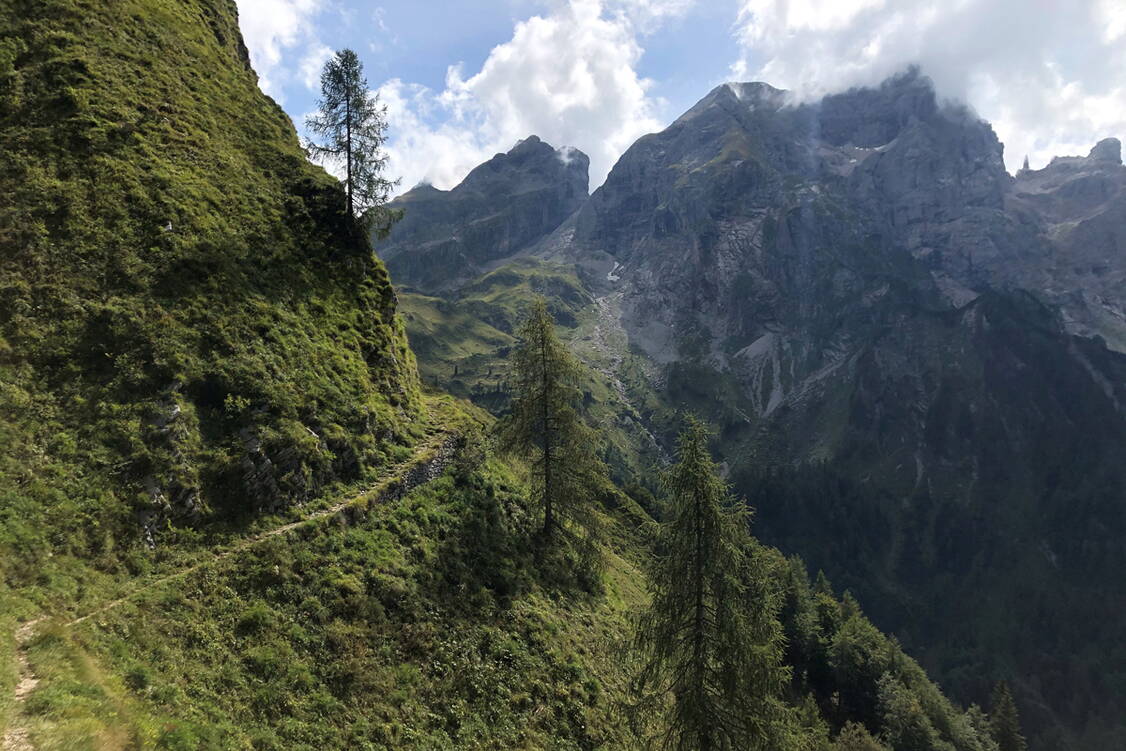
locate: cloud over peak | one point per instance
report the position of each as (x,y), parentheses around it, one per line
(569,76)
(1049,75)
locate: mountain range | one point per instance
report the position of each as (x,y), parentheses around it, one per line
(913,361)
(231,516)
(247,494)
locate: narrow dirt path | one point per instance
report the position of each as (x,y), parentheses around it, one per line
(17,737)
(393,483)
(424,465)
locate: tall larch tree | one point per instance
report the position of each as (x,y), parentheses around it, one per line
(1005,721)
(352,126)
(545,426)
(711,639)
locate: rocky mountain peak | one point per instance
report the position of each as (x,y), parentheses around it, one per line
(1107,150)
(870,117)
(757,93)
(531,160)
(501,207)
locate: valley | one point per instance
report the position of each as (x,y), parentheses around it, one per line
(284,465)
(892,340)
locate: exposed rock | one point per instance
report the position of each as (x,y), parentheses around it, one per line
(858,283)
(173,489)
(1107,150)
(1077,207)
(500,208)
(289,470)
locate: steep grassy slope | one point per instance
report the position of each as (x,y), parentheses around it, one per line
(426,625)
(191,329)
(430,623)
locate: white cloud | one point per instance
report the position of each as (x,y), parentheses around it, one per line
(568,76)
(1050,76)
(272,29)
(312,63)
(648,15)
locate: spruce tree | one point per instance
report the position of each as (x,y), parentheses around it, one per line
(1004,720)
(711,638)
(545,427)
(855,737)
(353,125)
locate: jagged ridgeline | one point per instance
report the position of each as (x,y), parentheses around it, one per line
(190,325)
(913,360)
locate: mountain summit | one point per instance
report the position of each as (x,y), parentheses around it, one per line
(499,209)
(913,360)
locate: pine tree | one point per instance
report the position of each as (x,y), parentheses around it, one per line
(545,425)
(710,638)
(1004,720)
(855,737)
(354,125)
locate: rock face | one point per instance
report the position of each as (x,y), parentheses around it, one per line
(503,206)
(857,285)
(1078,208)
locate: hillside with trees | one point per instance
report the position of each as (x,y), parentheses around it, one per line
(231,516)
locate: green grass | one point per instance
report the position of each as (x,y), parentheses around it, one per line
(432,623)
(181,293)
(462,346)
(8,669)
(427,625)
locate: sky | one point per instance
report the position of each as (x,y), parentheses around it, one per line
(466,79)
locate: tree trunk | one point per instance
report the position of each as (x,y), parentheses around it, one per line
(548,505)
(698,628)
(348,146)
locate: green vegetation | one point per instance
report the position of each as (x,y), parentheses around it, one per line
(711,634)
(354,125)
(433,622)
(545,429)
(463,345)
(1004,720)
(855,674)
(426,624)
(192,329)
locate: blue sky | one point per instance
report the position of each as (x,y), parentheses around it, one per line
(464,79)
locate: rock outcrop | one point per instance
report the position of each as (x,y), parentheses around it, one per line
(499,209)
(1077,206)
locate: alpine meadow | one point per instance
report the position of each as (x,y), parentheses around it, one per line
(339,409)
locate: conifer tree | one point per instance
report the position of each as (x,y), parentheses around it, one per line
(545,425)
(855,737)
(353,125)
(1004,720)
(711,638)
